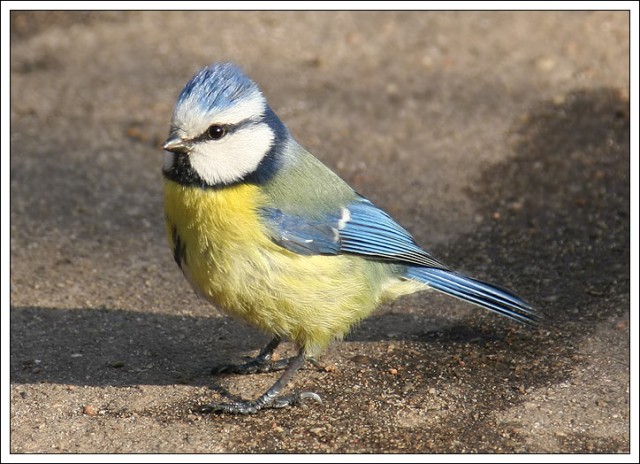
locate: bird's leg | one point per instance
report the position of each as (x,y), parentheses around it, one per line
(261,363)
(269,399)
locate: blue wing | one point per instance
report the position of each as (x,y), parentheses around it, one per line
(360,228)
(363,229)
(303,236)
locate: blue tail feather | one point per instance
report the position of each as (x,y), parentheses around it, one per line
(483,294)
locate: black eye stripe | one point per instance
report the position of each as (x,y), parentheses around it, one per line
(226,129)
(206,135)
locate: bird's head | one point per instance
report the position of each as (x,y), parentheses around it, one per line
(222,130)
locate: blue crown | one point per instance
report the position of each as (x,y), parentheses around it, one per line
(218,86)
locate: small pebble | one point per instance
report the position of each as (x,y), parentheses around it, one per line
(89,410)
(515,206)
(361,359)
(137,134)
(325,367)
(546,63)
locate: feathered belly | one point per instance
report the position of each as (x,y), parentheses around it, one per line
(229,259)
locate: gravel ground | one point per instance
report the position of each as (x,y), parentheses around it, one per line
(499,139)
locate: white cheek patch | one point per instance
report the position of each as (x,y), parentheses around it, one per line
(232,157)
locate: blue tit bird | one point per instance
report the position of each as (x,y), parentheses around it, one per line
(267,233)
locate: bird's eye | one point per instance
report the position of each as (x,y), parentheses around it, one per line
(216,132)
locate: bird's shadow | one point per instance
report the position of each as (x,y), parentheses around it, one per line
(119,347)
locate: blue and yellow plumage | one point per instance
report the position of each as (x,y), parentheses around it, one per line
(266,232)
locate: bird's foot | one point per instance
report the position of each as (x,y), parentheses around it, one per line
(261,363)
(252,407)
(270,398)
(254,366)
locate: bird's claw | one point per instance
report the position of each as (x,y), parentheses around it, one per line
(252,407)
(295,399)
(254,366)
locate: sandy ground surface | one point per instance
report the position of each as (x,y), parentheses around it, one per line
(500,140)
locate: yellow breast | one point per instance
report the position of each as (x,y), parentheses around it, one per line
(218,231)
(229,258)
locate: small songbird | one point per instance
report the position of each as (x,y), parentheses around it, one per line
(267,233)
